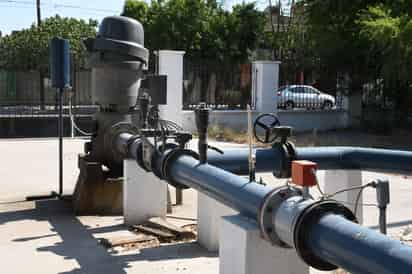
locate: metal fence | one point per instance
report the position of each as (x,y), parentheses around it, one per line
(220,86)
(20,94)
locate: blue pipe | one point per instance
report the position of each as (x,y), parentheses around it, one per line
(332,238)
(228,188)
(359,249)
(270,160)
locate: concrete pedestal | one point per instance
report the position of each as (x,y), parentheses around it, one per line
(171,64)
(209,213)
(335,180)
(144,195)
(243,251)
(265,80)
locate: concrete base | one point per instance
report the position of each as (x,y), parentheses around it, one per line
(243,251)
(145,195)
(209,213)
(335,180)
(95,193)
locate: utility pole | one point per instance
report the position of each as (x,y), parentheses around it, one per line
(38,13)
(42,96)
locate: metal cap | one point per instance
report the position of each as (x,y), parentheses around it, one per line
(121,35)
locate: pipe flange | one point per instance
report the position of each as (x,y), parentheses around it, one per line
(310,216)
(161,153)
(270,204)
(111,135)
(170,157)
(139,158)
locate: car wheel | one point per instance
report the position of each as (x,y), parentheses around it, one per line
(328,105)
(289,105)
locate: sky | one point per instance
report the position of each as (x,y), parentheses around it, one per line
(19,14)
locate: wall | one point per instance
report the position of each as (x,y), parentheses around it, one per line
(299,120)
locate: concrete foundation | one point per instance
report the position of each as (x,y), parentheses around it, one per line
(336,180)
(209,213)
(144,194)
(96,193)
(243,251)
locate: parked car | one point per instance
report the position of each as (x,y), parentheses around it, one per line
(303,96)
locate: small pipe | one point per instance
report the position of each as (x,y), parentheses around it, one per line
(382,220)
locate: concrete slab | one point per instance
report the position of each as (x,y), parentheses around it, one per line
(30,166)
(45,237)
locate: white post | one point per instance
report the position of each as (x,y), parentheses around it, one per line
(209,214)
(243,251)
(265,82)
(144,195)
(336,180)
(171,64)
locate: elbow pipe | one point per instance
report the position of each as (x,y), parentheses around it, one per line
(276,159)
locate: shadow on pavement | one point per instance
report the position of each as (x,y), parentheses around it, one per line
(78,243)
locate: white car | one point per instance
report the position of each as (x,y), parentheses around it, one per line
(302,96)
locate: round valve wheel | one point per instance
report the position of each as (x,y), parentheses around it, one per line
(264,126)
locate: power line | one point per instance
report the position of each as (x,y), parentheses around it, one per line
(57,6)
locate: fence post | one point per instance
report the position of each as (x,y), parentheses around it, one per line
(265,82)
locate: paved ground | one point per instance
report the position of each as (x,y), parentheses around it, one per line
(44,237)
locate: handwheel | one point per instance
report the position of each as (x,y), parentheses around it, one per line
(266,122)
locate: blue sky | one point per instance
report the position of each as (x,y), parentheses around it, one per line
(18,14)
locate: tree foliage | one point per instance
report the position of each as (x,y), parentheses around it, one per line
(28,49)
(200,27)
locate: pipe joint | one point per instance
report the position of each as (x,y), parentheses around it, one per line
(168,158)
(271,203)
(308,217)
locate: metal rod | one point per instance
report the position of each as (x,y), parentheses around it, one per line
(382,220)
(60,125)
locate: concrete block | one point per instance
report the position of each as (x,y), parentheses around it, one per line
(243,251)
(209,213)
(144,195)
(335,180)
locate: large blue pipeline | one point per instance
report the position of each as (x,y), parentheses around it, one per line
(323,233)
(276,159)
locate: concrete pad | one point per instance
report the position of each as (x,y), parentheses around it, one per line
(144,194)
(243,251)
(30,166)
(209,213)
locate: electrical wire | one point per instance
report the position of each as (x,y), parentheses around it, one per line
(317,184)
(83,132)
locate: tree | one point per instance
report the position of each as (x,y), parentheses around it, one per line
(200,27)
(28,49)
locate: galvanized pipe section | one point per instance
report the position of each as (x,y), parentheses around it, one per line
(358,249)
(270,160)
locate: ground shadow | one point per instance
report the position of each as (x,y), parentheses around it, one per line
(78,243)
